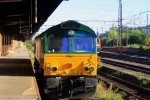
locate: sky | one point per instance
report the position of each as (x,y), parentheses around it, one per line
(100,15)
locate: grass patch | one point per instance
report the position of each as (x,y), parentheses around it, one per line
(106,94)
(29,44)
(18,46)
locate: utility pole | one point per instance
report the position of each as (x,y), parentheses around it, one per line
(120,24)
(147,21)
(97,32)
(113,35)
(127,37)
(147,24)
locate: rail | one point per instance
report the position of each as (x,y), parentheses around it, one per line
(106,76)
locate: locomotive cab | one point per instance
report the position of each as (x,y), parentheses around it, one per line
(68,63)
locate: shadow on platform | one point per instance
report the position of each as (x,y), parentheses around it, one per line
(15,67)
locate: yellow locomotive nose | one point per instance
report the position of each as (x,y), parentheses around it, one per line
(70,65)
(77,64)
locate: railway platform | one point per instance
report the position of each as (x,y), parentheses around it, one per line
(17,81)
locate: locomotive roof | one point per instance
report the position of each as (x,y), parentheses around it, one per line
(73,25)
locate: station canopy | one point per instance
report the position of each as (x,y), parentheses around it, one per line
(25,16)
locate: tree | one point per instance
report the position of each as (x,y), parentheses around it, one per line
(129,36)
(146,39)
(135,37)
(113,35)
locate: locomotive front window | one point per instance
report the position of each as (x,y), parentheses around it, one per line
(83,43)
(57,44)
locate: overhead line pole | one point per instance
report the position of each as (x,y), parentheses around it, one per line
(147,27)
(120,24)
(147,21)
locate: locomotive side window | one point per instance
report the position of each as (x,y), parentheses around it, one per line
(57,44)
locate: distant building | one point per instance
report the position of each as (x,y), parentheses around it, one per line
(146,31)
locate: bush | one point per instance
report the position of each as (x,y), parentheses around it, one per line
(29,44)
(133,46)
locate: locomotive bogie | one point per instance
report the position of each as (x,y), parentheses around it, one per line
(70,86)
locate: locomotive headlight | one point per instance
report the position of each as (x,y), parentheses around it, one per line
(86,68)
(49,69)
(71,32)
(91,69)
(54,69)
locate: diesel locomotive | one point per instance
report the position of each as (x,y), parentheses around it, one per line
(66,60)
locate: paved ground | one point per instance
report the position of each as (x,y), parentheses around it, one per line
(17,80)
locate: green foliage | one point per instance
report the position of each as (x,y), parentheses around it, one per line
(141,47)
(110,37)
(18,46)
(133,46)
(146,39)
(145,82)
(29,44)
(134,37)
(102,94)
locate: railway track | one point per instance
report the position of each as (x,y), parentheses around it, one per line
(125,57)
(132,66)
(128,68)
(136,92)
(127,51)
